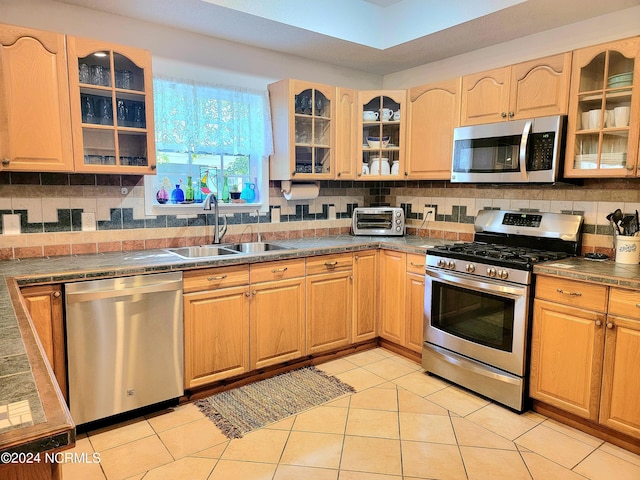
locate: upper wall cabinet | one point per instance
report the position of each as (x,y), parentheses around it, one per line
(604,111)
(303,116)
(347,162)
(381,133)
(531,89)
(111,107)
(35,121)
(434,111)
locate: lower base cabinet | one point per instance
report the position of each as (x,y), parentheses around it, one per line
(393,270)
(366,295)
(414,305)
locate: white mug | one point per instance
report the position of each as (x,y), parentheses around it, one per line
(379,166)
(387,114)
(369,116)
(595,119)
(584,119)
(621,115)
(396,115)
(365,169)
(395,168)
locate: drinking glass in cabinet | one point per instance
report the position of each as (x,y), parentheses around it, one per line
(83,73)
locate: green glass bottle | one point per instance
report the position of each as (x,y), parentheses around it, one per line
(188,192)
(225,190)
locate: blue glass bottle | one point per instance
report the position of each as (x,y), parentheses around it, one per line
(177,195)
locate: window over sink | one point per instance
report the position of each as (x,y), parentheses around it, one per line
(209,139)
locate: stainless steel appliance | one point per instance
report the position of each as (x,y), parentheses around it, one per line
(478,300)
(378,221)
(517,151)
(124,344)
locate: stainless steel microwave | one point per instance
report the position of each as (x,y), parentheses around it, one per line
(517,151)
(378,221)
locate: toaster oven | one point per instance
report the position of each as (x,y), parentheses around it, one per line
(378,221)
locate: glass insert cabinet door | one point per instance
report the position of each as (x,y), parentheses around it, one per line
(603,128)
(312,131)
(112,107)
(381,133)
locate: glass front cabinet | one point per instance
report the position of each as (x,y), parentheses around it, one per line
(111,107)
(603,125)
(303,116)
(381,132)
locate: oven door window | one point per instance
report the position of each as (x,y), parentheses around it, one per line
(375,221)
(479,317)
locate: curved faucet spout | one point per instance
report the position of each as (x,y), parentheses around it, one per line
(218,233)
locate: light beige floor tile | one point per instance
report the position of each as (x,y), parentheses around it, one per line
(432,460)
(293,472)
(366,357)
(360,379)
(489,464)
(346,475)
(284,424)
(343,401)
(387,386)
(189,467)
(573,433)
(376,398)
(374,455)
(191,437)
(504,422)
(134,458)
(386,353)
(373,423)
(212,452)
(601,465)
(421,384)
(264,446)
(313,450)
(555,446)
(135,477)
(232,470)
(82,471)
(407,362)
(323,419)
(174,417)
(426,428)
(409,402)
(544,469)
(337,366)
(120,434)
(389,369)
(620,453)
(472,435)
(458,401)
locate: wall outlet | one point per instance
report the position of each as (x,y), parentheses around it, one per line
(11,224)
(88,222)
(275,215)
(429,213)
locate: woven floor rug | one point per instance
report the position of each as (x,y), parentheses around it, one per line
(252,406)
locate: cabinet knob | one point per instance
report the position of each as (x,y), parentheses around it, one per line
(406,174)
(153,167)
(610,325)
(598,323)
(356,257)
(5,162)
(503,115)
(56,294)
(247,294)
(339,173)
(293,173)
(511,114)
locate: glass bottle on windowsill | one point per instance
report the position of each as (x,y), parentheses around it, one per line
(224,197)
(188,192)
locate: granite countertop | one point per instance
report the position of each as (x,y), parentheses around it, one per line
(33,414)
(606,272)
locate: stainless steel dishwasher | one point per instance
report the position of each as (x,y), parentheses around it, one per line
(124,344)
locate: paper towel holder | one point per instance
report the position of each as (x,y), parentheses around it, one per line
(285,185)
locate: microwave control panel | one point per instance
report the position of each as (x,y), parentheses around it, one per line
(542,145)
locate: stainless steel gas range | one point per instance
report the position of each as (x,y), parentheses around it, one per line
(478,300)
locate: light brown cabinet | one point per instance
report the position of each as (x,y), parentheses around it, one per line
(111,107)
(216,324)
(434,111)
(304,129)
(381,134)
(393,270)
(44,303)
(604,110)
(366,295)
(35,117)
(277,312)
(347,162)
(530,89)
(584,360)
(414,304)
(329,297)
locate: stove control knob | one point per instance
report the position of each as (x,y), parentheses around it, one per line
(491,272)
(451,265)
(442,263)
(503,274)
(470,268)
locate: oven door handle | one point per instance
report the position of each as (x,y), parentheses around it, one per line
(524,144)
(501,289)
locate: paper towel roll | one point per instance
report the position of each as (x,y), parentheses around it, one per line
(302,191)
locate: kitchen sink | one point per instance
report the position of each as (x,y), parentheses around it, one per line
(202,251)
(254,247)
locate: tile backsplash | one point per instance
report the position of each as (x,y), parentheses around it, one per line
(41,214)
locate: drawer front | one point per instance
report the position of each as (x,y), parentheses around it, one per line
(214,278)
(329,263)
(416,263)
(625,303)
(571,292)
(281,270)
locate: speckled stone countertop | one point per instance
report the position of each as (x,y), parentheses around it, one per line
(606,272)
(30,427)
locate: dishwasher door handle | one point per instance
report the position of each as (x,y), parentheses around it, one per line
(87,296)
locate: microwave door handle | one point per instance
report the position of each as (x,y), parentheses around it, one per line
(524,142)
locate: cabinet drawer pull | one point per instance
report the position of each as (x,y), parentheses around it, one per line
(220,277)
(571,294)
(417,265)
(279,270)
(331,265)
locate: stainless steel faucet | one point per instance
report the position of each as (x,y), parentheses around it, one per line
(218,233)
(259,235)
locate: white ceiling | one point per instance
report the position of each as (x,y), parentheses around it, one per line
(376,36)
